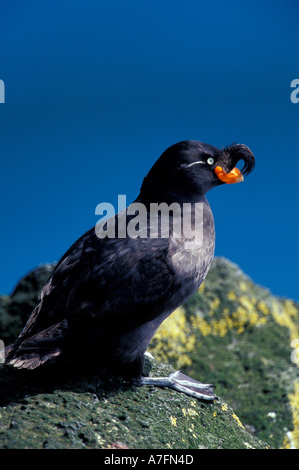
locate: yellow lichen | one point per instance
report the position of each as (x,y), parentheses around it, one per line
(173,420)
(246,302)
(238,420)
(201,287)
(281,314)
(245,314)
(201,325)
(290,308)
(219,327)
(215,304)
(231,295)
(243,286)
(286,443)
(262,306)
(176,336)
(191,429)
(292,438)
(174,339)
(189,412)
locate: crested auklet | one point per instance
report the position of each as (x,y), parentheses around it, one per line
(108,294)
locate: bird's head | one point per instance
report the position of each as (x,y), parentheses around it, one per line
(188,169)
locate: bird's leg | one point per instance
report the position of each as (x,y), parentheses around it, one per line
(181,383)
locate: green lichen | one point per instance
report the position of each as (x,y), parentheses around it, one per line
(82,414)
(242,342)
(232,333)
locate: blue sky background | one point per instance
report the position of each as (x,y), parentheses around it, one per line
(97,90)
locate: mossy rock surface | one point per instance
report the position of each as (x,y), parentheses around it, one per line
(232,333)
(38,413)
(237,335)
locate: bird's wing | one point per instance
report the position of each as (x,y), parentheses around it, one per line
(107,280)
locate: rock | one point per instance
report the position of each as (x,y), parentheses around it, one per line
(82,413)
(16,308)
(232,333)
(237,335)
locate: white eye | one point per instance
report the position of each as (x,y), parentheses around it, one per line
(210,161)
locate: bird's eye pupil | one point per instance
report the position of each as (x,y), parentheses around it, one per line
(210,161)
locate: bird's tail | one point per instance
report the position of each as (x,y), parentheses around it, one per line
(32,352)
(29,359)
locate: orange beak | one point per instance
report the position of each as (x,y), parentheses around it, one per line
(234,176)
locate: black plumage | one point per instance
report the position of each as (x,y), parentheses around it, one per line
(107,296)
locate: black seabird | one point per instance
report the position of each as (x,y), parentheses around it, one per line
(108,295)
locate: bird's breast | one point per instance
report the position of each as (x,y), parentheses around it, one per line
(191,254)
